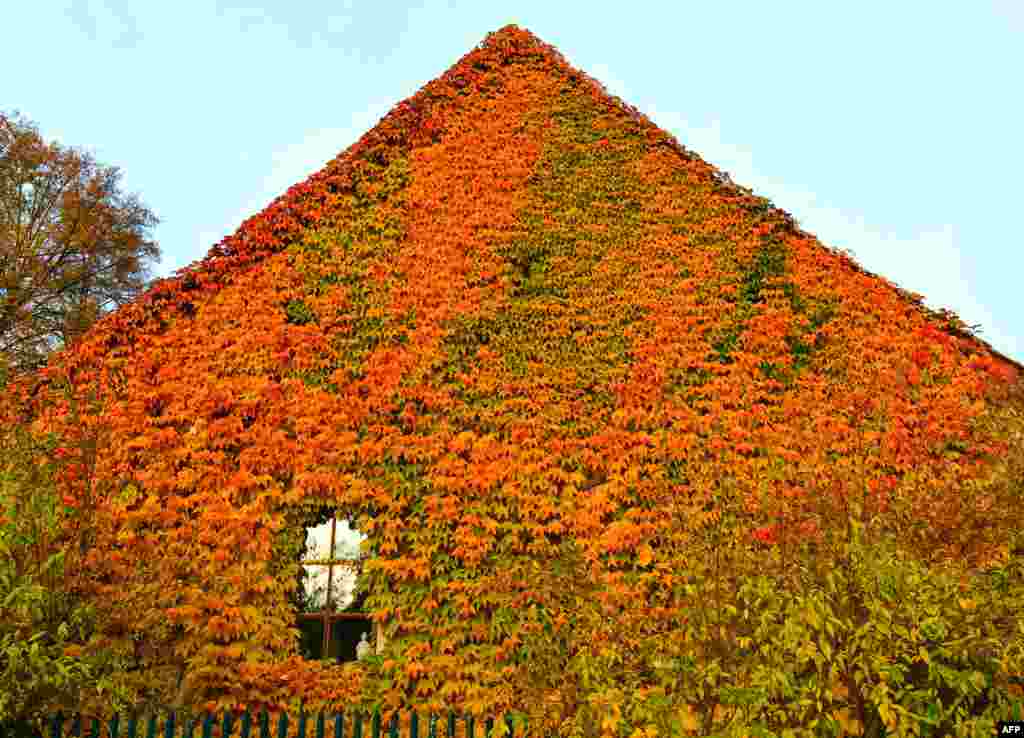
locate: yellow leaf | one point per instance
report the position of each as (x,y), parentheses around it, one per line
(888,718)
(967,604)
(648,732)
(689,719)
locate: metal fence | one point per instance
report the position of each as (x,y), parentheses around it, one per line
(334,725)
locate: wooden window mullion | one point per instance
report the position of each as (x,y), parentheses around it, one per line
(328,602)
(329,615)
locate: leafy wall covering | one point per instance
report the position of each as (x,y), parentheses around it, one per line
(513,317)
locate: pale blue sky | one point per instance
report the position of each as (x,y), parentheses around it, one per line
(891,129)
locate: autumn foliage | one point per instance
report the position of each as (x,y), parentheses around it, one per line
(514,320)
(73,245)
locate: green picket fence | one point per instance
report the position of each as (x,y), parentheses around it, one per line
(336,725)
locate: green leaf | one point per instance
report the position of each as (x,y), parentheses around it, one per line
(54,560)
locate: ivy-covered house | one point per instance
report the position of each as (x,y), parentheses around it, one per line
(515,328)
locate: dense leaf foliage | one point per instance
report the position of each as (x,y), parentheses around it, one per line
(45,618)
(516,324)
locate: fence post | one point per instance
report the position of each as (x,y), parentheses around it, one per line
(208,726)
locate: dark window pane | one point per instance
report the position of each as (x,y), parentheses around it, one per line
(311,632)
(345,636)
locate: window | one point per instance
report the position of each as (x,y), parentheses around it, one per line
(331,616)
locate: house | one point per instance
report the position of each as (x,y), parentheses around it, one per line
(513,316)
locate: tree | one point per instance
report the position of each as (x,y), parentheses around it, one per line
(72,245)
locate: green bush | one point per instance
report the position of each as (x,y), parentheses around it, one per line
(44,626)
(860,638)
(886,646)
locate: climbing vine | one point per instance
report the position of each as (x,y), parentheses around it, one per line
(514,315)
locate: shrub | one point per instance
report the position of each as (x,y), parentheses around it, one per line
(44,624)
(851,637)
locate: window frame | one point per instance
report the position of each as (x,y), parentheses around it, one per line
(327,615)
